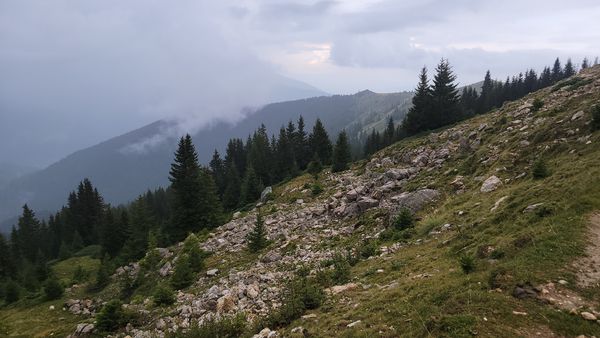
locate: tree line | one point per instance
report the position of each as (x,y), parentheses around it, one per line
(198,199)
(440,103)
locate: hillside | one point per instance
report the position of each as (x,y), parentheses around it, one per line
(504,244)
(122,175)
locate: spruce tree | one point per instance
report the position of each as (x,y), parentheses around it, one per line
(414,121)
(183,276)
(569,69)
(341,153)
(315,166)
(301,147)
(320,143)
(217,169)
(231,196)
(195,204)
(389,133)
(486,100)
(28,232)
(113,234)
(251,187)
(557,73)
(257,238)
(585,63)
(260,155)
(445,108)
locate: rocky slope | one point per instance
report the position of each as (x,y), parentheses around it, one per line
(472,190)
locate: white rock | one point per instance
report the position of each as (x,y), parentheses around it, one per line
(353,324)
(490,184)
(588,316)
(212,272)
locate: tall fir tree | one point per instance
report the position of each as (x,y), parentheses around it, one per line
(185,183)
(28,234)
(585,63)
(341,153)
(445,108)
(557,72)
(231,196)
(260,155)
(251,187)
(320,143)
(301,147)
(569,69)
(257,238)
(414,121)
(217,168)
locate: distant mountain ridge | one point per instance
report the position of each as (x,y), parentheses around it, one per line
(120,176)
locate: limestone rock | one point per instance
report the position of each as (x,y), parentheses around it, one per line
(490,184)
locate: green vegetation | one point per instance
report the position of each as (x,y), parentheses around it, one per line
(183,276)
(540,169)
(595,125)
(53,289)
(163,295)
(404,220)
(227,327)
(537,104)
(257,238)
(112,317)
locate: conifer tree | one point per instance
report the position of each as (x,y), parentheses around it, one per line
(231,196)
(585,63)
(185,183)
(260,156)
(301,147)
(557,73)
(113,234)
(414,121)
(28,232)
(315,166)
(257,238)
(210,207)
(183,276)
(486,100)
(445,107)
(389,133)
(341,153)
(569,69)
(7,267)
(320,143)
(251,187)
(217,169)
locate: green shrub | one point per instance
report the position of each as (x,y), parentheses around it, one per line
(537,105)
(467,263)
(151,261)
(163,295)
(111,317)
(316,189)
(183,276)
(191,247)
(595,125)
(368,249)
(300,295)
(80,275)
(257,238)
(499,278)
(226,327)
(404,220)
(53,289)
(315,166)
(341,270)
(540,169)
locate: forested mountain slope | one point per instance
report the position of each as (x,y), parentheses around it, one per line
(122,175)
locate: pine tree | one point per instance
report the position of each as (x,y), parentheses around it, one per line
(113,234)
(210,207)
(186,186)
(315,166)
(445,107)
(28,232)
(414,121)
(486,100)
(585,63)
(301,147)
(557,73)
(217,169)
(569,69)
(231,196)
(183,276)
(257,238)
(251,187)
(191,247)
(260,155)
(341,153)
(545,78)
(320,143)
(389,133)
(140,224)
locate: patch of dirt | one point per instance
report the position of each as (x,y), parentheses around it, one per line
(537,332)
(588,266)
(563,298)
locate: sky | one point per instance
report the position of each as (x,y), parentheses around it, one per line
(74,73)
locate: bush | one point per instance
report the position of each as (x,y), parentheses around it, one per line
(316,189)
(183,276)
(467,263)
(537,105)
(257,238)
(368,249)
(226,327)
(12,293)
(191,247)
(79,275)
(111,317)
(540,170)
(341,270)
(53,289)
(595,118)
(163,295)
(300,295)
(315,166)
(404,220)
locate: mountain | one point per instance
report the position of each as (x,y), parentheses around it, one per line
(121,173)
(12,171)
(489,227)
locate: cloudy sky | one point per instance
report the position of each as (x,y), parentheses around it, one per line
(74,73)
